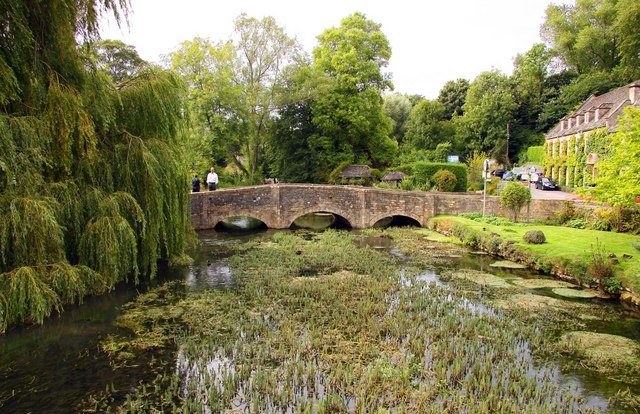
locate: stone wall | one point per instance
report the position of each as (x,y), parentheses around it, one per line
(278,205)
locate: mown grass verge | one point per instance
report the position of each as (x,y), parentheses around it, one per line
(567,252)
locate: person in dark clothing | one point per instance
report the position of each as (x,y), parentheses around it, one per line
(195,184)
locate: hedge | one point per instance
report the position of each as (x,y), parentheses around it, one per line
(423,173)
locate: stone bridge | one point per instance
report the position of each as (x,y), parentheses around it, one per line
(278,205)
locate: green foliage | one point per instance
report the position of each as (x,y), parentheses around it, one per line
(349,113)
(444,180)
(534,237)
(423,173)
(475,164)
(600,268)
(514,197)
(89,172)
(535,155)
(427,126)
(594,36)
(397,107)
(29,232)
(121,61)
(452,97)
(28,298)
(488,111)
(618,182)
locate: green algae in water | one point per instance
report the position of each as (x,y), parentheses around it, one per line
(507,264)
(574,293)
(356,338)
(614,355)
(543,283)
(481,278)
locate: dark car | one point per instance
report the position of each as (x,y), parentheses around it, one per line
(497,173)
(544,183)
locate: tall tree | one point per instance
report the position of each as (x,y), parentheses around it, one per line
(594,35)
(214,100)
(427,125)
(452,96)
(120,60)
(488,115)
(92,188)
(264,49)
(350,114)
(397,107)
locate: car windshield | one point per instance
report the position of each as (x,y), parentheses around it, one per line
(546,181)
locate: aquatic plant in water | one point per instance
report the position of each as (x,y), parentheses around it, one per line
(356,337)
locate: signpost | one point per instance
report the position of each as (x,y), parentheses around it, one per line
(532,171)
(485,177)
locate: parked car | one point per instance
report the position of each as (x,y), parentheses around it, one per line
(544,183)
(498,173)
(524,177)
(508,176)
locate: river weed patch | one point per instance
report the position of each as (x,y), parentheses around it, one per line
(358,336)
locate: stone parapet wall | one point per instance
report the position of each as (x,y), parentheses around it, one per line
(278,205)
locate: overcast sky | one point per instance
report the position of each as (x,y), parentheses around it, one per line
(431,41)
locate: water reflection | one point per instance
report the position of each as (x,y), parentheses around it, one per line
(315,221)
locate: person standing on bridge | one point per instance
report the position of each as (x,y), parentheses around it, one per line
(195,184)
(212,180)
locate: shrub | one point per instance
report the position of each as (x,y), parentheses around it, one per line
(514,197)
(534,237)
(568,212)
(577,223)
(600,269)
(424,171)
(445,180)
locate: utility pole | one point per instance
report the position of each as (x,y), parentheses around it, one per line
(508,135)
(485,175)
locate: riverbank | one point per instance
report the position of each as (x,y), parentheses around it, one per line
(567,253)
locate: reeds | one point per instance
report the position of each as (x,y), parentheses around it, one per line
(358,337)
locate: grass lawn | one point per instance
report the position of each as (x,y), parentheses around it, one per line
(567,243)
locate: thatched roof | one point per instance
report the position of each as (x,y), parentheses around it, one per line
(394,176)
(356,171)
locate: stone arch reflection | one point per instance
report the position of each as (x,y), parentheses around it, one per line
(319,220)
(240,224)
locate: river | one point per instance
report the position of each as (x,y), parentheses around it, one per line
(58,366)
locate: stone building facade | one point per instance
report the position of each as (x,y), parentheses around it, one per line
(576,143)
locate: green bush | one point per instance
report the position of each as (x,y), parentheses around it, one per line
(445,180)
(423,172)
(514,197)
(534,237)
(577,223)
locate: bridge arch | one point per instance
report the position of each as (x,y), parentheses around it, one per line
(396,220)
(399,215)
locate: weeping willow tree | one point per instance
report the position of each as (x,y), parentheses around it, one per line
(92,186)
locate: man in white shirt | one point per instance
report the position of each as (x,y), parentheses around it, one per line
(212,180)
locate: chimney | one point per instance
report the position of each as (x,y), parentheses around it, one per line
(563,124)
(571,122)
(634,92)
(579,119)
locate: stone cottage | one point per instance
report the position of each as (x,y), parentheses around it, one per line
(574,145)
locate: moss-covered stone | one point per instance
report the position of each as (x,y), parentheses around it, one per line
(507,264)
(575,293)
(614,355)
(543,283)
